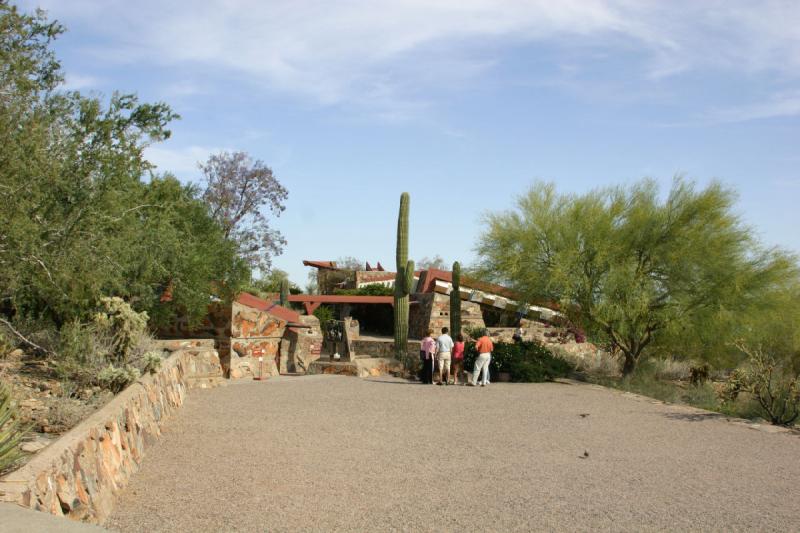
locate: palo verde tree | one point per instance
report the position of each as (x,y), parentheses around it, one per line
(628,265)
(240,191)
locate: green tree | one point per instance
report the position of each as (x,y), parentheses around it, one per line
(79,222)
(630,267)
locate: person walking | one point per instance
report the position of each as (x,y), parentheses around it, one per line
(426,353)
(458,358)
(444,347)
(484,346)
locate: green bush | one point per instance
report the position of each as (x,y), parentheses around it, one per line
(116,379)
(10,431)
(368,290)
(324,314)
(528,362)
(124,326)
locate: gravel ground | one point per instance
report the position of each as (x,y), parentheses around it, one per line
(340,453)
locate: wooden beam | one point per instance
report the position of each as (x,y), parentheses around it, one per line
(311,307)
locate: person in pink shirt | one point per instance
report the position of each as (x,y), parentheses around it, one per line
(426,354)
(458,357)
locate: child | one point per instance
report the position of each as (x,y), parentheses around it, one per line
(458,357)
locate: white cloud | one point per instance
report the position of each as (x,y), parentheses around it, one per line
(381,54)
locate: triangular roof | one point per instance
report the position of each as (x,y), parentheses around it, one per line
(280,312)
(329,265)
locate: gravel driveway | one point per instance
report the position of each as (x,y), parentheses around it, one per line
(341,453)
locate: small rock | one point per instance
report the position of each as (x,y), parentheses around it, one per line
(32,403)
(33,447)
(15,354)
(86,394)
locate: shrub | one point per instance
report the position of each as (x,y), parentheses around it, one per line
(152,362)
(376,289)
(600,363)
(527,361)
(324,314)
(124,325)
(117,379)
(10,431)
(82,353)
(775,387)
(699,374)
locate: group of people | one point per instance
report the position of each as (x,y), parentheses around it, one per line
(448,355)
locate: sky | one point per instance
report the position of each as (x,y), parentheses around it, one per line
(462,103)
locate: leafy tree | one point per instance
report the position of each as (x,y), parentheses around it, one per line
(271,283)
(630,267)
(349,262)
(432,262)
(79,223)
(239,191)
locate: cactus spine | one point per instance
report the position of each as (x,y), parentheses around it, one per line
(403,282)
(455,301)
(284,292)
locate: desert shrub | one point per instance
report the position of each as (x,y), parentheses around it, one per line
(82,352)
(152,362)
(527,361)
(116,379)
(775,387)
(600,363)
(671,369)
(473,332)
(104,352)
(699,373)
(10,431)
(125,327)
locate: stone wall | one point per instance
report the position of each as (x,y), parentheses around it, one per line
(301,346)
(215,325)
(254,334)
(81,473)
(377,348)
(432,310)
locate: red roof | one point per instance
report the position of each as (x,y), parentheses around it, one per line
(341,299)
(330,265)
(275,310)
(433,274)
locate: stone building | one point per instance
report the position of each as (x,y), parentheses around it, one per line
(253,335)
(482,304)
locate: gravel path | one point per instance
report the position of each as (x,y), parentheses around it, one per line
(340,453)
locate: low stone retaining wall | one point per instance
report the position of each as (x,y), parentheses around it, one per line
(360,367)
(382,348)
(80,474)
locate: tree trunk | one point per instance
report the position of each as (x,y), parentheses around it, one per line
(629,365)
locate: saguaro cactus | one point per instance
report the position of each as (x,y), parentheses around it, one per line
(284,292)
(402,282)
(455,301)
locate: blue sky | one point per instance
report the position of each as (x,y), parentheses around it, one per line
(462,103)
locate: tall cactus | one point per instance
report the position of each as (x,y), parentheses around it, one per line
(284,292)
(455,301)
(403,282)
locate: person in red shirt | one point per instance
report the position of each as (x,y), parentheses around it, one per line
(484,346)
(458,357)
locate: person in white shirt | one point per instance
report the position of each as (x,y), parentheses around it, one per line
(444,346)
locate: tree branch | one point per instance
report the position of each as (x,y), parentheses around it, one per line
(24,339)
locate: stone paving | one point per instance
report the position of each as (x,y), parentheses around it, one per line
(341,453)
